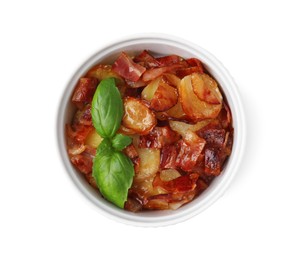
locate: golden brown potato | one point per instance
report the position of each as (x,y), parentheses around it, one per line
(126,131)
(206,88)
(176,112)
(149,163)
(169,174)
(93,139)
(181,127)
(193,107)
(165,97)
(137,116)
(149,91)
(160,94)
(172,79)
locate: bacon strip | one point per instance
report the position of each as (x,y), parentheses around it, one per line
(183,183)
(169,60)
(125,67)
(153,73)
(158,137)
(146,60)
(194,62)
(84,91)
(190,151)
(169,155)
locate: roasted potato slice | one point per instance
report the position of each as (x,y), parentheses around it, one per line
(182,128)
(193,107)
(169,174)
(160,94)
(172,79)
(206,88)
(137,116)
(93,139)
(149,91)
(149,162)
(165,97)
(176,111)
(126,131)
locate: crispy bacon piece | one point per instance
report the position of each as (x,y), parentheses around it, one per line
(158,137)
(214,136)
(169,155)
(130,151)
(213,161)
(169,201)
(78,133)
(125,67)
(81,155)
(191,147)
(84,91)
(225,117)
(188,156)
(182,72)
(183,183)
(83,161)
(83,117)
(153,73)
(169,60)
(133,204)
(218,146)
(201,185)
(179,191)
(146,60)
(194,62)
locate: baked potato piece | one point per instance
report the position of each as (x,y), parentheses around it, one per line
(206,88)
(160,95)
(182,128)
(137,116)
(193,107)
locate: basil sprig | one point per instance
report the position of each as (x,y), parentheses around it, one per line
(107,108)
(119,142)
(112,170)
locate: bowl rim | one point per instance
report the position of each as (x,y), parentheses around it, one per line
(133,218)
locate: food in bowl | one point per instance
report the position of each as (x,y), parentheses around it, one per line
(151,133)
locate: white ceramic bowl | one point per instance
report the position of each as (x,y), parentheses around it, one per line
(162,45)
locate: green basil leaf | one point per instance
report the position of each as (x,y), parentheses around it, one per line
(105,147)
(107,108)
(113,172)
(120,141)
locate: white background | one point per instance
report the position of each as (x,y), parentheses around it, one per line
(43,216)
